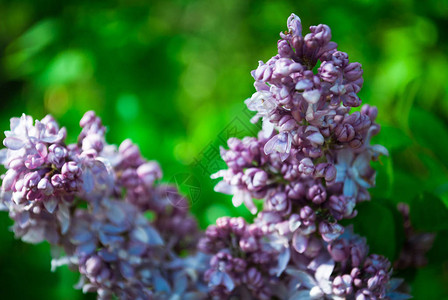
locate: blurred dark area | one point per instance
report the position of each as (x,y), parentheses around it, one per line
(173,75)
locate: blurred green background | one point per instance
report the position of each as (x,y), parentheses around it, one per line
(172,76)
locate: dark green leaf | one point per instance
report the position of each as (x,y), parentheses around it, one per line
(430,132)
(428,284)
(392,138)
(384,178)
(437,253)
(376,222)
(429,213)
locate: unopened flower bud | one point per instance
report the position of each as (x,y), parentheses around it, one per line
(237,225)
(45,186)
(353,71)
(329,72)
(149,172)
(284,49)
(306,166)
(263,72)
(279,202)
(93,265)
(370,111)
(57,155)
(351,100)
(356,142)
(344,132)
(325,170)
(317,194)
(330,231)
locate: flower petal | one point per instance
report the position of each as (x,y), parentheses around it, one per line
(362,163)
(322,275)
(13,143)
(312,96)
(350,188)
(224,187)
(300,242)
(304,278)
(283,260)
(345,157)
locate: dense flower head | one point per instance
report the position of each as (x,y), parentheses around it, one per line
(310,163)
(312,152)
(114,246)
(244,258)
(88,200)
(258,261)
(342,270)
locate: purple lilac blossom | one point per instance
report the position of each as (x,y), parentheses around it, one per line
(310,164)
(313,153)
(88,201)
(244,261)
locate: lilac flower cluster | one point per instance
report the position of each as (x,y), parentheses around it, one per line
(259,261)
(88,201)
(343,270)
(243,259)
(311,151)
(310,164)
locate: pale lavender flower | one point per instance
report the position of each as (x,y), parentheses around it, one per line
(354,172)
(88,200)
(245,258)
(280,143)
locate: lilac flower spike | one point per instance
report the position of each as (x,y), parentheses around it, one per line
(310,164)
(311,136)
(88,199)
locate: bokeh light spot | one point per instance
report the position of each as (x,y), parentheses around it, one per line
(198,81)
(69,66)
(57,100)
(127,106)
(426,31)
(184,152)
(216,211)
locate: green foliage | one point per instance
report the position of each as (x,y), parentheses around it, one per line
(428,213)
(429,284)
(431,133)
(376,223)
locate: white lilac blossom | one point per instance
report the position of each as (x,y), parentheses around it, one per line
(88,201)
(310,164)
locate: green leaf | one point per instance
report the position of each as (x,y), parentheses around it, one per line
(384,178)
(398,221)
(428,213)
(392,138)
(428,284)
(430,132)
(376,223)
(406,186)
(437,253)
